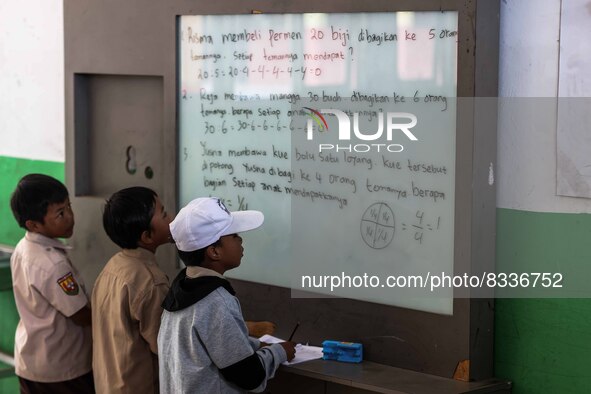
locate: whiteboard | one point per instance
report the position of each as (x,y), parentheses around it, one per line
(248,89)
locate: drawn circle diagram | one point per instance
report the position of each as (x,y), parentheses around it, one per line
(377,226)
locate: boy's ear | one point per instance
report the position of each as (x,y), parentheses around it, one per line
(146,238)
(212,253)
(32,225)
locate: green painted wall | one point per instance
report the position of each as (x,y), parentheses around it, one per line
(12,170)
(8,311)
(543,345)
(8,321)
(8,384)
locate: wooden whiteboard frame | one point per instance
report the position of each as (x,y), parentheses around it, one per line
(139,37)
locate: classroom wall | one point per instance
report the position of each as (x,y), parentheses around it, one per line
(32,125)
(542,345)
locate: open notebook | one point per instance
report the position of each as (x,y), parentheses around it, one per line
(303,352)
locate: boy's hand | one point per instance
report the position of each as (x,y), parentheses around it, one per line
(289,348)
(259,328)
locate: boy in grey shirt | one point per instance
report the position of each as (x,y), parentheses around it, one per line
(203,343)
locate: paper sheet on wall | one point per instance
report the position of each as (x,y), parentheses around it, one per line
(573,164)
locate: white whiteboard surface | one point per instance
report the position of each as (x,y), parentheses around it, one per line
(574,117)
(242,78)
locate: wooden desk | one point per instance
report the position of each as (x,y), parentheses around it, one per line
(330,377)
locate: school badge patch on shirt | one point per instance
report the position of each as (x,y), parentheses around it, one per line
(68,284)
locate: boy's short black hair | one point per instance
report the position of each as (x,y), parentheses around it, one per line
(33,194)
(195,257)
(128,214)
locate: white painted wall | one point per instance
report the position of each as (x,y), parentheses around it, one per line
(32,122)
(528,67)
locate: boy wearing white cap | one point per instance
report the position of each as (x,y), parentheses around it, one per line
(203,341)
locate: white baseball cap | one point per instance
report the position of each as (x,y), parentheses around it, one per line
(203,221)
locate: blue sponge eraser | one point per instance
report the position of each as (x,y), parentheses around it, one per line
(348,352)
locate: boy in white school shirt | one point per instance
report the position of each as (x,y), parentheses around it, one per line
(53,343)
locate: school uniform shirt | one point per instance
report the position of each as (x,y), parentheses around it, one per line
(48,290)
(203,342)
(127,298)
